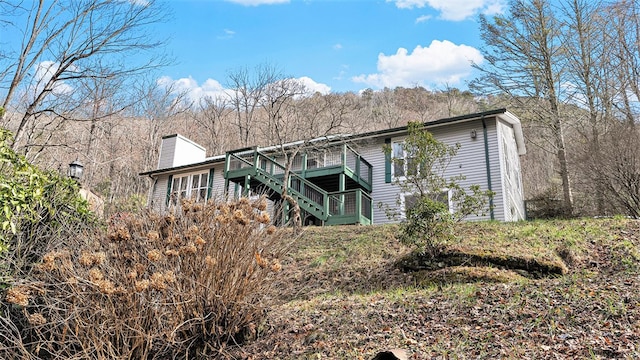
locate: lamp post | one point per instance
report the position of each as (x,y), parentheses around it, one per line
(75,170)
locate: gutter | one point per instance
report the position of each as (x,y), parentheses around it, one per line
(488,164)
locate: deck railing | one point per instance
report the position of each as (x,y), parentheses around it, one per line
(360,167)
(350,203)
(352,162)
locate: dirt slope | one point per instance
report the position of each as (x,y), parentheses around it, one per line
(341,295)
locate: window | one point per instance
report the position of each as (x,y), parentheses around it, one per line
(404,162)
(190,186)
(397,156)
(312,163)
(409,200)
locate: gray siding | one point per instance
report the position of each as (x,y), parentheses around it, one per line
(469,162)
(167,151)
(159,196)
(217,187)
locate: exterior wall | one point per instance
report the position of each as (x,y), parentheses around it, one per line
(470,162)
(513,201)
(159,190)
(176,150)
(159,193)
(217,187)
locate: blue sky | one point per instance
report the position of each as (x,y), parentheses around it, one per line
(332,45)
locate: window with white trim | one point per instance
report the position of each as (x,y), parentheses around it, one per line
(409,200)
(190,186)
(404,162)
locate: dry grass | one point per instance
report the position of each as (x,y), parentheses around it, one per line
(346,298)
(183,285)
(194,283)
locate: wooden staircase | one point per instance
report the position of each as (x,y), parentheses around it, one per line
(345,207)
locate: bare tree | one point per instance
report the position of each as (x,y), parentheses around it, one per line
(587,58)
(384,108)
(282,125)
(63,44)
(457,102)
(158,104)
(419,102)
(624,37)
(211,116)
(619,173)
(247,90)
(294,117)
(526,59)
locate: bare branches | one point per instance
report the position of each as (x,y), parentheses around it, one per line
(212,115)
(247,90)
(66,42)
(526,60)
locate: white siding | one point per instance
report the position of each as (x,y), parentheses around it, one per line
(513,201)
(176,150)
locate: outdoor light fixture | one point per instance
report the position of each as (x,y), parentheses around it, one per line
(75,170)
(474,133)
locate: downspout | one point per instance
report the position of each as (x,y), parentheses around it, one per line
(488,164)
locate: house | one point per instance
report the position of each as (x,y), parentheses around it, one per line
(342,179)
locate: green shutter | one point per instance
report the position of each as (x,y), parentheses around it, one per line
(169,190)
(210,185)
(387,160)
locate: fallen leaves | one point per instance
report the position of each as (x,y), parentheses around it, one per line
(359,304)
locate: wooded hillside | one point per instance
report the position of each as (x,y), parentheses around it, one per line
(568,70)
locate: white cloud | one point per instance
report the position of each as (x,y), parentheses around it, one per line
(337,46)
(136,2)
(139,2)
(213,89)
(210,88)
(258,2)
(313,86)
(423,18)
(44,71)
(440,62)
(455,10)
(228,34)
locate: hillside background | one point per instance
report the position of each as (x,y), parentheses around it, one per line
(567,69)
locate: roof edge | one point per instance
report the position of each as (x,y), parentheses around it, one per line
(209,161)
(434,123)
(517,131)
(501,113)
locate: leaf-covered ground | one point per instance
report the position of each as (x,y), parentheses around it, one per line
(341,295)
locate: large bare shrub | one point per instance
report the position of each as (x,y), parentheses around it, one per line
(181,285)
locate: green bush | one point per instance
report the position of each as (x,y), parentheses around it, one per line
(428,223)
(427,226)
(38,209)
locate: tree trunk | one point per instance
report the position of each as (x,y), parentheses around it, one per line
(296,221)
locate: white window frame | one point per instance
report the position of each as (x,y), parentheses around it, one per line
(406,159)
(182,187)
(403,209)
